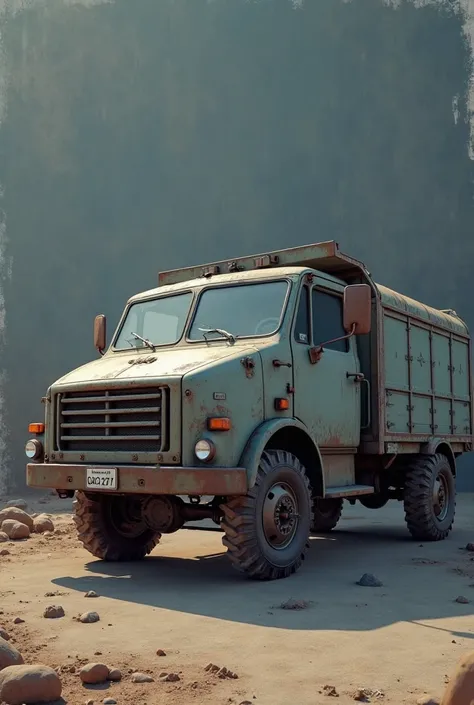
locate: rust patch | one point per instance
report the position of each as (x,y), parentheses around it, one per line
(248,364)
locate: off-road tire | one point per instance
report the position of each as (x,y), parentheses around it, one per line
(98,535)
(326,514)
(243,520)
(373,501)
(420,513)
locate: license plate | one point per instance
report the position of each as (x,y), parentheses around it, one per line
(101,478)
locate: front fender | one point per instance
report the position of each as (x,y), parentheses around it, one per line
(257,442)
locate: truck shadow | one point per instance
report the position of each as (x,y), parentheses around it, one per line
(420,582)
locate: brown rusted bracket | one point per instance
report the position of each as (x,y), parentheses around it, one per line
(315,354)
(248,364)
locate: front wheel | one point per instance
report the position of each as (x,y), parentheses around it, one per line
(430,498)
(267,530)
(112,528)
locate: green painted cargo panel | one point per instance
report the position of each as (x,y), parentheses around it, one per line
(426,370)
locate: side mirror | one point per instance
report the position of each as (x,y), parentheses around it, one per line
(100,333)
(357,309)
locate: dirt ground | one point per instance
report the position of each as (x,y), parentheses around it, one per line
(400,640)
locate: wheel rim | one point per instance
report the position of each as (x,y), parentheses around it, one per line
(280,516)
(440,497)
(125,517)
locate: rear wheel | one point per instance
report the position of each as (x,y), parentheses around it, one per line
(267,530)
(430,498)
(112,528)
(326,514)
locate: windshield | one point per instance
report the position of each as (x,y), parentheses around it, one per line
(157,322)
(239,311)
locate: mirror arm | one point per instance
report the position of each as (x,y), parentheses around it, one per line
(316,353)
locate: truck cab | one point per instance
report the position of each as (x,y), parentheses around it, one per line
(246,392)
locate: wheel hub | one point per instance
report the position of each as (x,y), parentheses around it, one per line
(280,516)
(440,497)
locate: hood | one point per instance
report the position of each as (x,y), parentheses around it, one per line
(146,364)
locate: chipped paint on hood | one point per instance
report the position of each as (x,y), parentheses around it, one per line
(164,363)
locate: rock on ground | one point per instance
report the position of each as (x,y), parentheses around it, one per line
(9,656)
(369,580)
(4,634)
(18,503)
(460,690)
(42,523)
(3,537)
(53,612)
(427,700)
(91,593)
(94,673)
(16,515)
(115,675)
(24,685)
(89,617)
(141,678)
(15,530)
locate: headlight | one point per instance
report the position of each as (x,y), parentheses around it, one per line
(33,449)
(204,450)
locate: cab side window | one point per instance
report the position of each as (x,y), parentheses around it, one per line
(327,316)
(302,327)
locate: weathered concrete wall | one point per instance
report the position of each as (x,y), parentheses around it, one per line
(143,135)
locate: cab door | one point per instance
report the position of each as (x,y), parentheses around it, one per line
(326,397)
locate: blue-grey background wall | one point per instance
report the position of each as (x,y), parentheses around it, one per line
(138,136)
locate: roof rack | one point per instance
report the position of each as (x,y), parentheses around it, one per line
(323,256)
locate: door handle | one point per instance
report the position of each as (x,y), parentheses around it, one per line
(357,376)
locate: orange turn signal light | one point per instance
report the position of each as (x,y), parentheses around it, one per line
(36,428)
(219,423)
(282,404)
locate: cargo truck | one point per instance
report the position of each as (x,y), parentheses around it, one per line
(260,393)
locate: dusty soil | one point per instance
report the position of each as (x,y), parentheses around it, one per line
(400,640)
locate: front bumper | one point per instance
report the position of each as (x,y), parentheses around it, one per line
(143,479)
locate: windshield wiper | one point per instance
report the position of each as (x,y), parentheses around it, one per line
(147,342)
(221,331)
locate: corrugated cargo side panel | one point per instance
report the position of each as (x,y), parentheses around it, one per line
(427,378)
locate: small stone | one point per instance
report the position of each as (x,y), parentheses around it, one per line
(93,673)
(295,605)
(3,537)
(115,675)
(53,612)
(170,677)
(212,668)
(4,634)
(331,691)
(15,530)
(142,678)
(427,700)
(9,656)
(462,600)
(16,514)
(89,702)
(24,685)
(91,593)
(18,503)
(89,617)
(5,552)
(42,523)
(18,620)
(470,547)
(369,580)
(109,701)
(160,652)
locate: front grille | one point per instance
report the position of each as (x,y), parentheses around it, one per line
(117,420)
